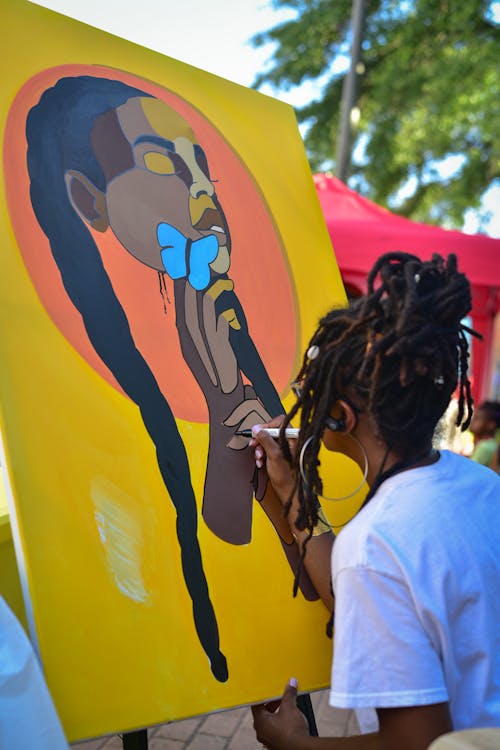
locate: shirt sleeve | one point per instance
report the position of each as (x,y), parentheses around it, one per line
(382,656)
(28,718)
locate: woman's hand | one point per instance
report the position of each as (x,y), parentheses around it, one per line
(278,469)
(284,727)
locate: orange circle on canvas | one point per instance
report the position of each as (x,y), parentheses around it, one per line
(258,267)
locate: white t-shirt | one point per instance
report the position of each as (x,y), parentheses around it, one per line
(416,577)
(28,719)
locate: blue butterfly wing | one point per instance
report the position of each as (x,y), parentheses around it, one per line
(173,252)
(203,252)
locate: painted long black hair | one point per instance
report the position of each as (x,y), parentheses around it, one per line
(398,353)
(58,132)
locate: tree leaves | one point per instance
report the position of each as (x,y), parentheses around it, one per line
(430,92)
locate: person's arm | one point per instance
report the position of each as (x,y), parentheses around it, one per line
(411,728)
(317,560)
(319,547)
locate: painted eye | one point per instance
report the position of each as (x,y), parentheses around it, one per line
(158,163)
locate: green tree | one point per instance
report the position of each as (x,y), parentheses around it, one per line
(429,91)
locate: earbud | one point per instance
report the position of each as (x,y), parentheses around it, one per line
(335,425)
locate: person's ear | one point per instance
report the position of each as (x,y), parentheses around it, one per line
(88,201)
(345,419)
(349,415)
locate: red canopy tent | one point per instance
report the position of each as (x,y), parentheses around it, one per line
(361,231)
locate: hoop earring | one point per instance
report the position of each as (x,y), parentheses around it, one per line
(365,469)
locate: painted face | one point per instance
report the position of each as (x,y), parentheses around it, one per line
(159,195)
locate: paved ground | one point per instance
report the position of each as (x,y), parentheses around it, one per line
(228,730)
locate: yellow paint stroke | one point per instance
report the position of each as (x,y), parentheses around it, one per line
(232,319)
(221,285)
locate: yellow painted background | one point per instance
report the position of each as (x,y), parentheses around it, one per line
(114,664)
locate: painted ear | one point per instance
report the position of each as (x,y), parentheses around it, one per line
(88,201)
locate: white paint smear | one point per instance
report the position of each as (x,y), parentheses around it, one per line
(121,536)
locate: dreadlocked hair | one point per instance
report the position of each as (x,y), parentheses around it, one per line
(398,353)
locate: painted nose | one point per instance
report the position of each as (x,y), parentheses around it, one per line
(201,185)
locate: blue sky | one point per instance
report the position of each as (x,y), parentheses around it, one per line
(214,35)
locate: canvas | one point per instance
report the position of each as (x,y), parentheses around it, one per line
(164,262)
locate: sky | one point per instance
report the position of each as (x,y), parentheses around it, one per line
(217,41)
(214,35)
